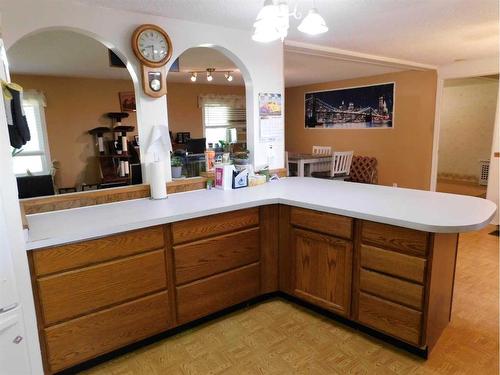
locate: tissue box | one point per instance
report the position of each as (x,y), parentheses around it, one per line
(223,176)
(240,179)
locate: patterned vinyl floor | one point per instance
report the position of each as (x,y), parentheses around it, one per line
(278,337)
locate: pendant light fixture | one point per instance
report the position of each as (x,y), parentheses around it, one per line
(272,22)
(313,23)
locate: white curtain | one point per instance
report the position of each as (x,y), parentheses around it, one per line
(35,97)
(233,101)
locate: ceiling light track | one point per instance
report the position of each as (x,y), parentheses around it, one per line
(228,74)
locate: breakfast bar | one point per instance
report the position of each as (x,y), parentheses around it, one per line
(110,275)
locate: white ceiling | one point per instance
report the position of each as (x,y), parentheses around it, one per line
(69,54)
(433,32)
(200,58)
(302,69)
(62,53)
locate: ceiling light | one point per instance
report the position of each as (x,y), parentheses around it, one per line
(265,34)
(313,24)
(272,22)
(209,74)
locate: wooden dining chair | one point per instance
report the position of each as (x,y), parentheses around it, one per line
(321,150)
(341,165)
(364,170)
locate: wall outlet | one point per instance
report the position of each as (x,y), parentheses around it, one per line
(394,184)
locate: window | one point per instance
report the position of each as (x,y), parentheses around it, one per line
(224,123)
(34,155)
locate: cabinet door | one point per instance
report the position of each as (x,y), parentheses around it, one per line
(323,266)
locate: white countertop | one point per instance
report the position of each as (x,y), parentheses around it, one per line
(417,209)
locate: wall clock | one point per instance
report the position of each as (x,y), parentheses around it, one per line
(152,46)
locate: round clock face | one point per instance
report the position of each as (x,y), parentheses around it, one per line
(152,45)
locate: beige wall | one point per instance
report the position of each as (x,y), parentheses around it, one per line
(404,153)
(183,112)
(466,133)
(74,106)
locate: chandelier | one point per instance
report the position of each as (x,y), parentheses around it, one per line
(272,22)
(228,74)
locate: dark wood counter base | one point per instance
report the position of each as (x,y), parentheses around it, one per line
(390,282)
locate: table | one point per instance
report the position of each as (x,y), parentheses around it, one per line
(302,159)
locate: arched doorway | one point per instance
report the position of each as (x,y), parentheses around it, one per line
(73,84)
(208,110)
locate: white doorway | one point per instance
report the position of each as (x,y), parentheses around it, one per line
(467,118)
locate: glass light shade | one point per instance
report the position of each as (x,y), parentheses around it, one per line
(313,24)
(209,78)
(268,11)
(265,33)
(272,22)
(193,77)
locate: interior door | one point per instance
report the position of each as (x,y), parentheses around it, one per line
(493,190)
(323,267)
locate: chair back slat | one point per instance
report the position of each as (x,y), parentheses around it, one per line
(341,163)
(322,150)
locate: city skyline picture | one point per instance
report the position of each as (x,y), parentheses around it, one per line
(351,108)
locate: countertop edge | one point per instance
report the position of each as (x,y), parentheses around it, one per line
(107,231)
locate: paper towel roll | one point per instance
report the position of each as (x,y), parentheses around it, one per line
(157,181)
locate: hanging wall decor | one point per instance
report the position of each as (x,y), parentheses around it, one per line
(366,107)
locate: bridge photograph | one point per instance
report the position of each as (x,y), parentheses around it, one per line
(351,108)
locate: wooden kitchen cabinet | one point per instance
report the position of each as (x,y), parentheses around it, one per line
(322,270)
(403,281)
(95,296)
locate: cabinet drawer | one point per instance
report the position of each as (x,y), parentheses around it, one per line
(393,289)
(215,293)
(336,225)
(78,292)
(393,263)
(207,226)
(77,340)
(396,320)
(396,238)
(62,258)
(217,254)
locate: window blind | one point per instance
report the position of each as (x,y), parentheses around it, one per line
(224,117)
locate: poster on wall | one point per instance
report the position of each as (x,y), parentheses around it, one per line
(271,117)
(366,107)
(127,101)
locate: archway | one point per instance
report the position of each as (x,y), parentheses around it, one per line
(76,83)
(209,103)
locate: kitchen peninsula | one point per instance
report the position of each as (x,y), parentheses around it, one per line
(381,257)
